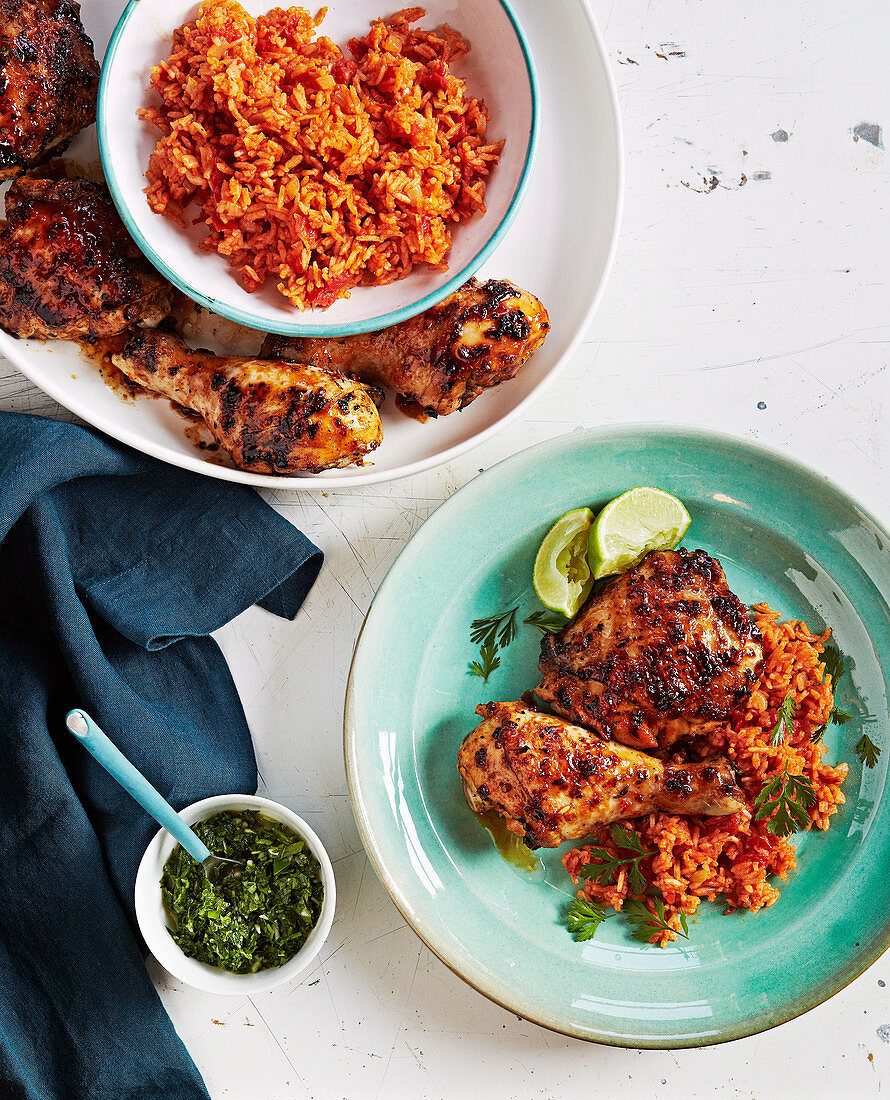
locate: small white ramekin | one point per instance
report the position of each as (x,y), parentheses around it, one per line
(153,919)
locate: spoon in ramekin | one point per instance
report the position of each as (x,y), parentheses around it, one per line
(134,783)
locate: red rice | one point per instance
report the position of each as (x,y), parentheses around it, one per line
(731,858)
(318,169)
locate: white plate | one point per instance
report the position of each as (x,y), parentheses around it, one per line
(501,73)
(560,247)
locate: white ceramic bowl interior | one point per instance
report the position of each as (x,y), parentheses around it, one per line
(498,68)
(153,920)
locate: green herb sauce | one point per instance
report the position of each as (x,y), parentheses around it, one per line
(246,918)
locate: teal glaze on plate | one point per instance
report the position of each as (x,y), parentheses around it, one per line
(784,535)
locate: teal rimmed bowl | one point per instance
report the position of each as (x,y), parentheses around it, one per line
(499,69)
(785,535)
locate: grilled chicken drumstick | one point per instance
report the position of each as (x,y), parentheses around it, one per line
(68,268)
(442,359)
(272,417)
(48,81)
(553,781)
(664,651)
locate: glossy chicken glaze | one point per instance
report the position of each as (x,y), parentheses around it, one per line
(49,80)
(442,359)
(664,651)
(68,267)
(553,781)
(270,416)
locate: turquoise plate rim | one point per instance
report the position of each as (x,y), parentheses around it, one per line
(841,975)
(297,328)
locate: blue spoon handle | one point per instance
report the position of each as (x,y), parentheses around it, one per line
(134,782)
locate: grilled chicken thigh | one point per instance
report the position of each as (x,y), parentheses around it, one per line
(553,781)
(68,267)
(662,652)
(442,359)
(272,417)
(48,81)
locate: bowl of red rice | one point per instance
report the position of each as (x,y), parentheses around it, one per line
(318,172)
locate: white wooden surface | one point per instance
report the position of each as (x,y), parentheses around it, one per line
(750,295)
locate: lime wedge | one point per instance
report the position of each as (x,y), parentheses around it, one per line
(562,577)
(632,525)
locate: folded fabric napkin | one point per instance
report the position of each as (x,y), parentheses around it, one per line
(114,568)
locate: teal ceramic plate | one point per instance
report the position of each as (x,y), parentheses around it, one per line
(784,535)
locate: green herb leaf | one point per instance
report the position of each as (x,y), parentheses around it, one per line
(786,800)
(584,917)
(636,877)
(834,662)
(545,622)
(491,634)
(496,631)
(628,840)
(784,721)
(867,751)
(489,662)
(648,924)
(838,718)
(251,917)
(603,867)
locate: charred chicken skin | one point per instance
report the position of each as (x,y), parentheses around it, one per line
(442,359)
(68,268)
(553,781)
(270,416)
(49,80)
(663,652)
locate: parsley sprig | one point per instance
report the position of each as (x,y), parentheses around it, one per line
(491,634)
(867,751)
(647,923)
(547,624)
(786,800)
(837,717)
(604,865)
(835,666)
(784,726)
(486,664)
(834,662)
(584,917)
(495,631)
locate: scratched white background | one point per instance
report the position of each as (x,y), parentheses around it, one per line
(750,295)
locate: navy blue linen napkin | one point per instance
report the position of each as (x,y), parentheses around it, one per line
(113,570)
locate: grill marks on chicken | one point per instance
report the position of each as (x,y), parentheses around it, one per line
(49,80)
(664,651)
(68,267)
(272,417)
(553,781)
(69,270)
(442,359)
